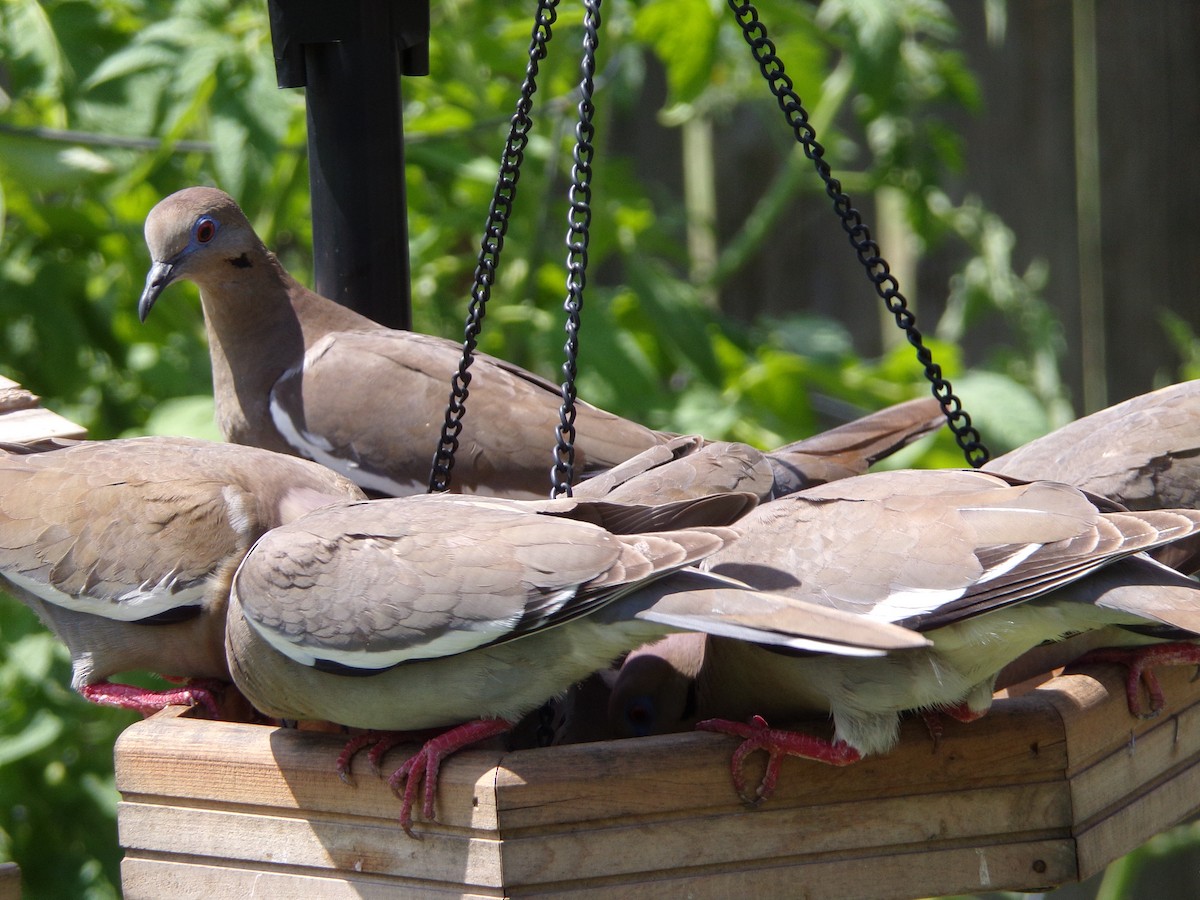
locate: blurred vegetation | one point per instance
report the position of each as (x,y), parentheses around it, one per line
(108,105)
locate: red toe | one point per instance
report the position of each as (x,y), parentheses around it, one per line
(1139,663)
(778,743)
(148,702)
(427,761)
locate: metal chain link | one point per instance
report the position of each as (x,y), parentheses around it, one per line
(579,219)
(865,247)
(493,242)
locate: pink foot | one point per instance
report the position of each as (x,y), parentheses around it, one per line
(380,743)
(426,762)
(198,692)
(959,712)
(1139,662)
(778,743)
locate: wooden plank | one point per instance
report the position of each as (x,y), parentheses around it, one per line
(1022,741)
(1140,755)
(22,417)
(1018,866)
(1031,796)
(175,755)
(146,878)
(1170,801)
(10,880)
(904,825)
(310,842)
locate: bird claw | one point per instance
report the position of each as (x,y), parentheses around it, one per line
(1139,663)
(959,712)
(425,764)
(778,743)
(199,692)
(380,743)
(353,746)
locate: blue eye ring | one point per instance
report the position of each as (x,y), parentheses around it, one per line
(204,230)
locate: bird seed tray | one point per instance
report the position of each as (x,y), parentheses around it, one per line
(1047,789)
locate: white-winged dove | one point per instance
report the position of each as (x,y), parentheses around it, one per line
(297,373)
(985,568)
(454,609)
(688,466)
(1143,453)
(125,549)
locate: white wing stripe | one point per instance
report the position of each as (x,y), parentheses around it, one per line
(141,602)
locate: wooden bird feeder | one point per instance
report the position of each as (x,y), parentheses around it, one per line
(1047,789)
(23,418)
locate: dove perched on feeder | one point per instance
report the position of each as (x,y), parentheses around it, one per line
(1143,453)
(688,466)
(452,609)
(298,373)
(125,550)
(984,566)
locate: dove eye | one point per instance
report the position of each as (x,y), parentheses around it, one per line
(206,230)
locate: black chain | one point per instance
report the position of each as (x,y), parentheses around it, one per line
(865,247)
(579,219)
(493,242)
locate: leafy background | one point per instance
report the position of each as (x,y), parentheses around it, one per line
(107,106)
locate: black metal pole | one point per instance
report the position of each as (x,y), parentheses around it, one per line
(349,57)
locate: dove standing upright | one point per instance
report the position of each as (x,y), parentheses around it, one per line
(297,373)
(126,549)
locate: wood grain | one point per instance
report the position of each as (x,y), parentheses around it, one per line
(1045,790)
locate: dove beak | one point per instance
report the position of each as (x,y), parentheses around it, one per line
(161,274)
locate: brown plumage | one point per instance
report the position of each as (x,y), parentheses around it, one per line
(689,466)
(297,373)
(126,549)
(986,568)
(452,608)
(1143,453)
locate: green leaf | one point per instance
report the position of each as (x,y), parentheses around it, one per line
(683,320)
(683,34)
(40,732)
(1007,413)
(44,165)
(183,417)
(137,58)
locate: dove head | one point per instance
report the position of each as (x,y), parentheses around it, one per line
(198,233)
(655,691)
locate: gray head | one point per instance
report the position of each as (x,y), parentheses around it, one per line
(198,233)
(655,691)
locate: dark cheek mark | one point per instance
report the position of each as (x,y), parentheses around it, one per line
(241,262)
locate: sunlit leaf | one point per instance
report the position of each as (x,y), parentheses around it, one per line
(40,732)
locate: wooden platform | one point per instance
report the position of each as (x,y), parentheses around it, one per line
(22,417)
(10,881)
(1047,789)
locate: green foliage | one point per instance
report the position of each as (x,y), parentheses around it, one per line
(1186,344)
(57,799)
(106,106)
